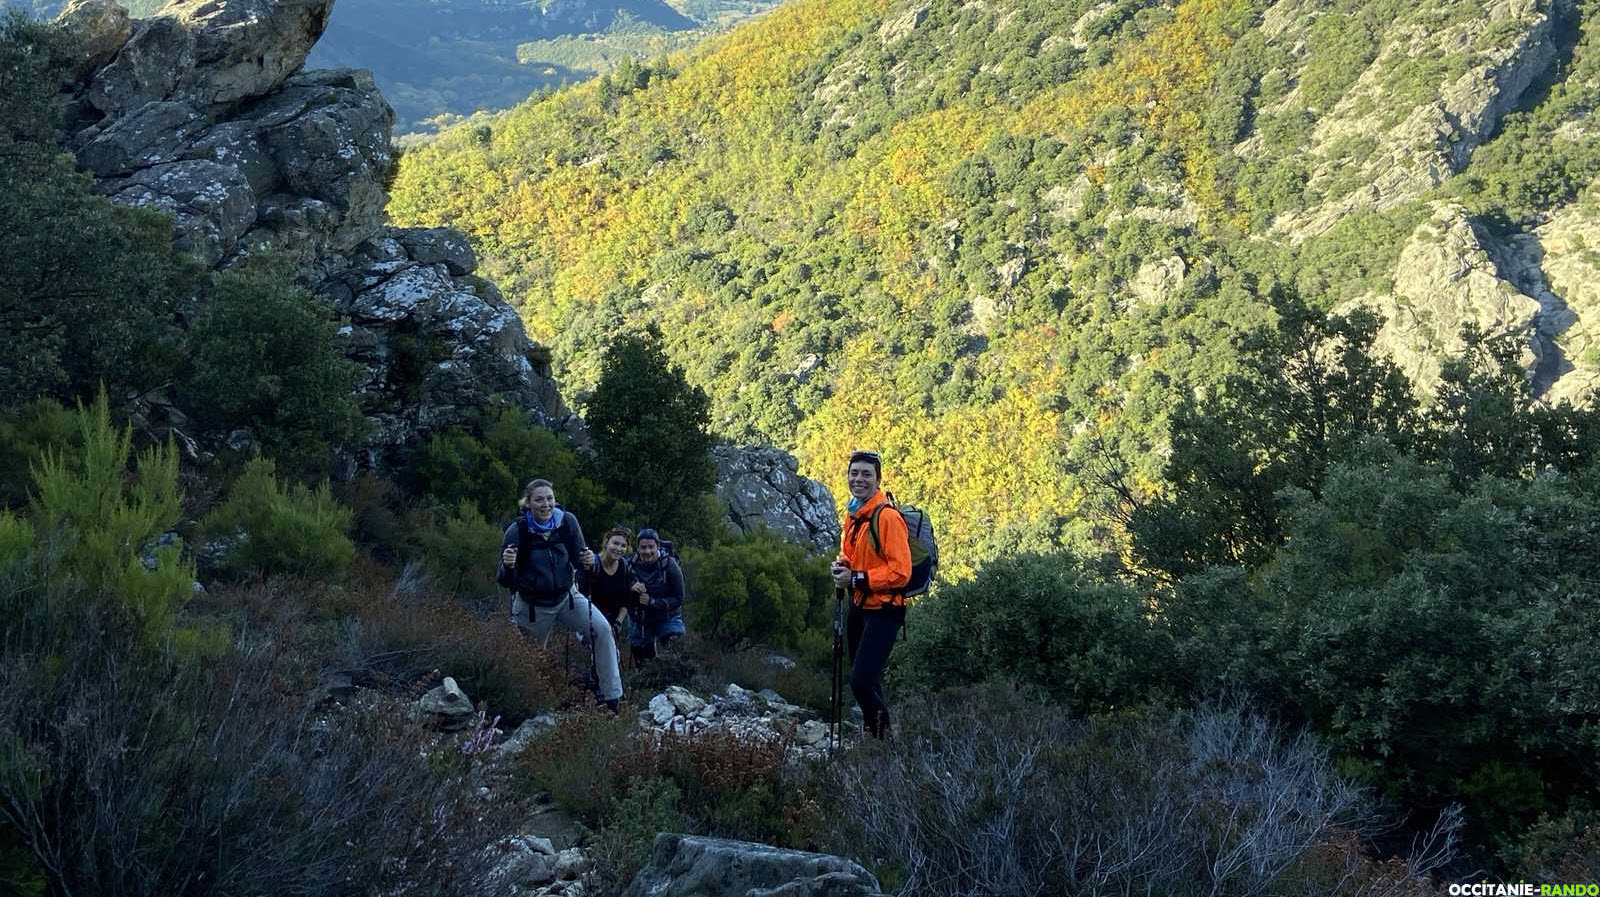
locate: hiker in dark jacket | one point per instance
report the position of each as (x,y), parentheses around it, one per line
(660,617)
(609,581)
(539,558)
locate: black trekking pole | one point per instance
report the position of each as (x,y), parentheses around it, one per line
(836,701)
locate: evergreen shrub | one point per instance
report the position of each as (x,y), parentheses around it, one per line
(271,528)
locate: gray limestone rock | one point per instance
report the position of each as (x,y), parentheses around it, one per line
(1447,277)
(447,707)
(520,862)
(99,27)
(203,112)
(694,866)
(762,488)
(210,53)
(212,205)
(435,245)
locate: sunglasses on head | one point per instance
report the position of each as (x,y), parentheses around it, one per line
(864,456)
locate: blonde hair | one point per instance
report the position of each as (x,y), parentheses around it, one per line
(527,493)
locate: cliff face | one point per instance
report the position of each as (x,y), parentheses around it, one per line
(203,111)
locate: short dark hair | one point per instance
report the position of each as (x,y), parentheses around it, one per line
(648,533)
(872,458)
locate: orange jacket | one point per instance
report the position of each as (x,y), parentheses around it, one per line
(881,575)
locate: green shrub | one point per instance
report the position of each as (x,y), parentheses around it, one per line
(90,292)
(278,530)
(98,521)
(585,763)
(457,551)
(623,844)
(1039,621)
(16,541)
(25,433)
(490,471)
(264,357)
(761,590)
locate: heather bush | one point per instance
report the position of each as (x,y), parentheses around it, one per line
(277,529)
(403,637)
(138,772)
(990,794)
(584,764)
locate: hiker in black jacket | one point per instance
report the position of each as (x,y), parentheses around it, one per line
(537,563)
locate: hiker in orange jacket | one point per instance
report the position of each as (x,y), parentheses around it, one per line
(874,563)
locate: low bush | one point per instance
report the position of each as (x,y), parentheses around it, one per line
(281,530)
(405,637)
(133,770)
(585,764)
(759,589)
(622,847)
(95,522)
(988,793)
(489,469)
(458,551)
(264,356)
(1039,621)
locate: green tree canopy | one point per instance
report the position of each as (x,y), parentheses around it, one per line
(650,433)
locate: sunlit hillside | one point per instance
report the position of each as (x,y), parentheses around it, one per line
(999,240)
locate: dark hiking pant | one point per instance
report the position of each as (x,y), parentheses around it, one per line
(870,635)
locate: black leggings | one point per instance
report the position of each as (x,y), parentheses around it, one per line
(871,634)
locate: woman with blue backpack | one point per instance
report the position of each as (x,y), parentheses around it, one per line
(539,560)
(660,616)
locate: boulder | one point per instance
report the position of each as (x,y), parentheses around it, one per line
(435,245)
(209,53)
(519,862)
(99,27)
(694,866)
(762,488)
(447,707)
(525,735)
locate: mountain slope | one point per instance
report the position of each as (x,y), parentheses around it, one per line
(1000,240)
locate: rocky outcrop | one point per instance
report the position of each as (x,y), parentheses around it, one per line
(762,487)
(762,717)
(203,112)
(693,866)
(209,54)
(1556,265)
(1447,277)
(1501,50)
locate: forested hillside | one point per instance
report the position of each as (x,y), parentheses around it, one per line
(438,61)
(999,241)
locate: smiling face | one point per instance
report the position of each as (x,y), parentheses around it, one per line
(542,502)
(649,550)
(862,479)
(616,547)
